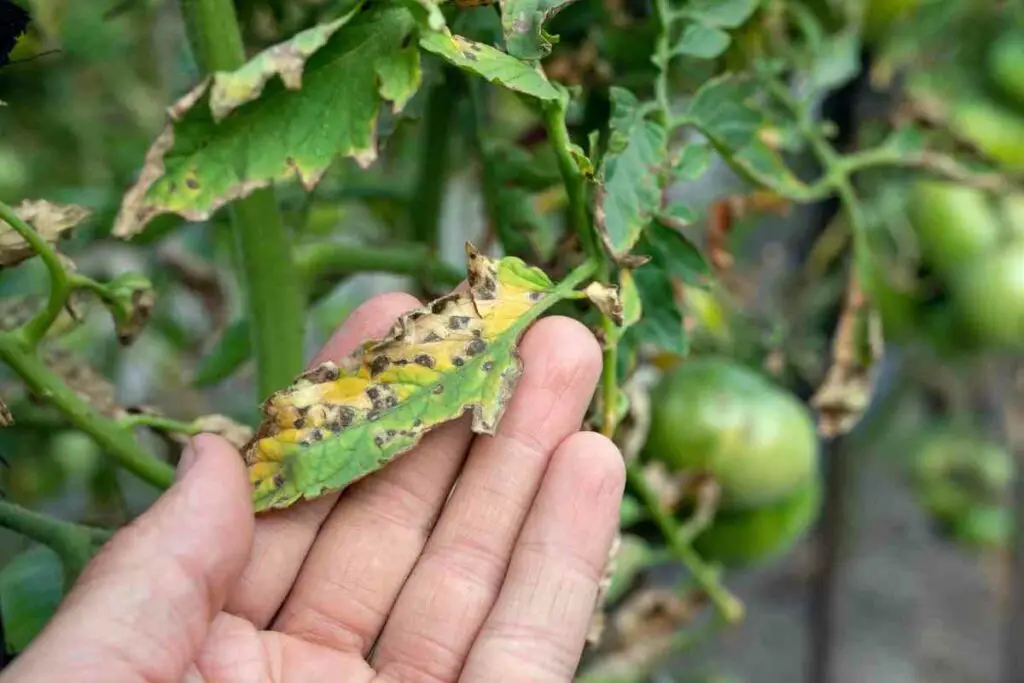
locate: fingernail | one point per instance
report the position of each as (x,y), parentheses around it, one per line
(188,458)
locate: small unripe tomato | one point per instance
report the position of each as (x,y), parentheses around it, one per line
(747,537)
(714,416)
(989,294)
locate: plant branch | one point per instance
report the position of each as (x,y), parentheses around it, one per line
(335,259)
(730,608)
(661,58)
(73,543)
(37,327)
(110,435)
(575,183)
(428,196)
(162,424)
(273,291)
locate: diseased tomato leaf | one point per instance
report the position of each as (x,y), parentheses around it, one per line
(340,422)
(239,132)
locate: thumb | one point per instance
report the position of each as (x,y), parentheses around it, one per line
(141,609)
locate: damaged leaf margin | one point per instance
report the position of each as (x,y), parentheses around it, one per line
(340,422)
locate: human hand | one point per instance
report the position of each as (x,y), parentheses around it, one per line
(498,586)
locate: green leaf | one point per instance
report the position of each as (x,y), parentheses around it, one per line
(722,13)
(679,213)
(837,61)
(197,165)
(31,588)
(522,22)
(693,162)
(723,110)
(629,189)
(339,423)
(662,323)
(676,254)
(427,13)
(703,42)
(629,295)
(494,65)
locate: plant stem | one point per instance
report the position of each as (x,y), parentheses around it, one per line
(36,328)
(662,58)
(273,291)
(106,432)
(73,543)
(575,183)
(333,259)
(436,142)
(609,377)
(163,424)
(726,603)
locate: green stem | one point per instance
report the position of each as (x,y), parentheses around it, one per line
(73,543)
(436,143)
(110,435)
(609,377)
(36,328)
(163,424)
(575,183)
(707,577)
(273,291)
(662,57)
(334,259)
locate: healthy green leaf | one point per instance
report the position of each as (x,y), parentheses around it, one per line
(676,254)
(662,323)
(629,295)
(339,423)
(722,109)
(836,62)
(31,588)
(629,188)
(693,162)
(703,42)
(197,165)
(522,22)
(722,13)
(492,64)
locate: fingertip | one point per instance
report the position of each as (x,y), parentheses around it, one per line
(594,464)
(564,343)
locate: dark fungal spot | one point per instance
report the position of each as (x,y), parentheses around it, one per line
(458,322)
(476,346)
(278,480)
(299,423)
(343,417)
(192,183)
(470,56)
(290,161)
(416,315)
(488,366)
(316,435)
(536,296)
(439,389)
(432,337)
(372,393)
(458,362)
(424,360)
(477,333)
(401,362)
(378,441)
(379,365)
(372,416)
(391,401)
(417,422)
(438,306)
(391,433)
(328,372)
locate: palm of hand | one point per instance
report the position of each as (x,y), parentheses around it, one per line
(495,583)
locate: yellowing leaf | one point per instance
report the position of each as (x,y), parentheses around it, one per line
(340,422)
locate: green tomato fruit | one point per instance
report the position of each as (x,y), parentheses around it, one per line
(1006,65)
(989,293)
(998,131)
(955,472)
(748,537)
(953,224)
(714,416)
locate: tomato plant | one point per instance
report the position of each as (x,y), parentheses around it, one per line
(195,193)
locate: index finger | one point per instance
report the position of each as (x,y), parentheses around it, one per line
(283,537)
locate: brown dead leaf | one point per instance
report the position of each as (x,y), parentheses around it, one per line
(857,347)
(606,298)
(6,419)
(91,386)
(597,619)
(236,433)
(50,220)
(651,613)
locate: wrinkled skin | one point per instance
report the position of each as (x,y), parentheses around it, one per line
(498,586)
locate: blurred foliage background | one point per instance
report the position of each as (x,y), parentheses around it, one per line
(917,518)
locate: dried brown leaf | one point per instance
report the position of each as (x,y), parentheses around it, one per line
(50,220)
(235,433)
(606,298)
(6,419)
(857,347)
(91,386)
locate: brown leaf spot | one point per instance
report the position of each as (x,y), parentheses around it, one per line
(192,183)
(439,306)
(431,337)
(379,365)
(458,322)
(476,346)
(373,416)
(424,360)
(488,366)
(458,362)
(439,389)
